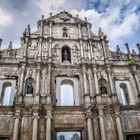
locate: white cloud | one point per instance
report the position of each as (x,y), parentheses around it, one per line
(5,17)
(128,26)
(111,22)
(48,6)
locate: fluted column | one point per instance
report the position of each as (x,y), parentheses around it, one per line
(37,89)
(25,47)
(22,78)
(98,96)
(48,126)
(118,124)
(79,30)
(37,80)
(111,83)
(88,28)
(49,84)
(35,127)
(91,49)
(90,128)
(135,74)
(19,99)
(81,49)
(86,93)
(85,80)
(40,48)
(101,123)
(50,29)
(16,126)
(50,47)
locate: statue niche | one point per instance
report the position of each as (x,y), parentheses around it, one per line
(103,86)
(66,55)
(29,87)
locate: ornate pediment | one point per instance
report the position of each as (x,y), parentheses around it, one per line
(64,16)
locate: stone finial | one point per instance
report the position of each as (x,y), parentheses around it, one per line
(0,42)
(10,46)
(133,52)
(86,19)
(50,14)
(29,29)
(42,17)
(25,30)
(138,46)
(118,49)
(127,48)
(77,16)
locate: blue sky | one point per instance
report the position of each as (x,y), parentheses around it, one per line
(119,19)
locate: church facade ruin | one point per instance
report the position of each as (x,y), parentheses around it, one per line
(64,83)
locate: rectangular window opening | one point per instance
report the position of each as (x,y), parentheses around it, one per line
(133,137)
(68,135)
(4,138)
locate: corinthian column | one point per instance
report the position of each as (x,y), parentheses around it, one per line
(86,92)
(16,128)
(98,97)
(25,47)
(101,122)
(111,83)
(35,127)
(135,74)
(90,129)
(48,125)
(37,88)
(40,48)
(79,30)
(118,123)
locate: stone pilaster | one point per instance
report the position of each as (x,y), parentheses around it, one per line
(118,124)
(79,30)
(50,28)
(49,85)
(90,128)
(35,127)
(101,123)
(86,92)
(88,28)
(134,72)
(112,86)
(16,126)
(91,49)
(50,48)
(98,96)
(21,83)
(37,90)
(40,48)
(25,47)
(81,49)
(48,126)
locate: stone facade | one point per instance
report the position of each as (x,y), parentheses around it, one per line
(64,83)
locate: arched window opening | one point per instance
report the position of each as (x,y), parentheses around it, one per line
(65,32)
(66,55)
(6,93)
(103,86)
(123,96)
(29,87)
(67,96)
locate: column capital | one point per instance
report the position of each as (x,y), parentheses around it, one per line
(48,116)
(35,116)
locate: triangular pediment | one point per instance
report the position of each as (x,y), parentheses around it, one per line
(64,17)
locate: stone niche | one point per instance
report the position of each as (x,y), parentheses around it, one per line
(6,125)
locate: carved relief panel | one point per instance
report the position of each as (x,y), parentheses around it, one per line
(33,49)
